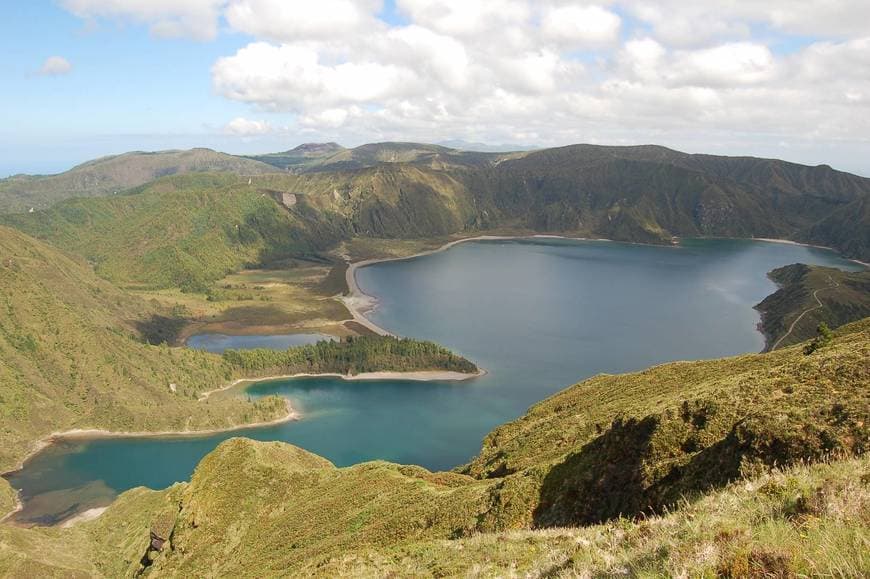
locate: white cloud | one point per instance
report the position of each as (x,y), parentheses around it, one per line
(467,18)
(167,18)
(243,127)
(690,23)
(726,65)
(55,66)
(578,25)
(294,21)
(291,77)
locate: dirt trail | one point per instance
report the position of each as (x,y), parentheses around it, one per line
(805,312)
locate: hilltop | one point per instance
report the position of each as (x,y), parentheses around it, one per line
(544,494)
(111,175)
(409,191)
(809,295)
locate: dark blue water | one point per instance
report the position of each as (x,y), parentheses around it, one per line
(538,316)
(217,343)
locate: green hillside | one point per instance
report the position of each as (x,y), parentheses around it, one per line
(793,313)
(110,175)
(180,231)
(612,445)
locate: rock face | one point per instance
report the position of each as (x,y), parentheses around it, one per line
(288,200)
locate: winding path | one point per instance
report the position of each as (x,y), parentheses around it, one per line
(805,312)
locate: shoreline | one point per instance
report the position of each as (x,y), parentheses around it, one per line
(88,515)
(790,242)
(95,433)
(415,376)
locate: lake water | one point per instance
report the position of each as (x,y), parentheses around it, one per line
(538,316)
(217,343)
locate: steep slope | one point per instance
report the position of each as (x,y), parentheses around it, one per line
(609,445)
(70,357)
(110,175)
(804,521)
(793,313)
(648,192)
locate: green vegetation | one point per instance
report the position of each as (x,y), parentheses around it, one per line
(7,497)
(822,339)
(351,356)
(183,232)
(800,522)
(844,297)
(548,492)
(110,175)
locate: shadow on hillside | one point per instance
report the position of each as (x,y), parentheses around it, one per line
(629,470)
(160,329)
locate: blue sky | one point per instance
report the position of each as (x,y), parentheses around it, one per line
(729,77)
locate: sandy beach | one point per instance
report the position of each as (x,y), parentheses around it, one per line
(790,242)
(88,515)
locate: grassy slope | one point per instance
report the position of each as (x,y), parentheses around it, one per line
(609,445)
(178,232)
(70,357)
(294,298)
(109,175)
(845,297)
(810,521)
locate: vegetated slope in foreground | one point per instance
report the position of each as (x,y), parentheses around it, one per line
(793,313)
(802,521)
(610,445)
(189,231)
(71,357)
(109,175)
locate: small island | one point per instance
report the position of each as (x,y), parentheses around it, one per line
(355,356)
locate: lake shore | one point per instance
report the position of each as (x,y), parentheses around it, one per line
(88,515)
(790,242)
(419,376)
(78,433)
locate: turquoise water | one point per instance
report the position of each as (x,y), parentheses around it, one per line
(538,316)
(217,343)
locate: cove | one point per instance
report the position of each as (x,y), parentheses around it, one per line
(538,315)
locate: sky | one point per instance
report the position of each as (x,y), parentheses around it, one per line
(780,78)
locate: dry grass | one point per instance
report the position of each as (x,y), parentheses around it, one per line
(281,301)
